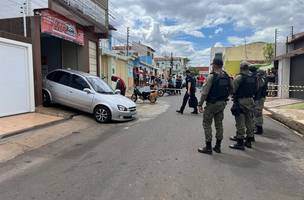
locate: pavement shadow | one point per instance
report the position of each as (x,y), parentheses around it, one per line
(276,134)
(237,160)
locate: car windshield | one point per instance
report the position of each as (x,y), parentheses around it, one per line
(100,86)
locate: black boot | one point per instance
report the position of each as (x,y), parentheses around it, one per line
(239,145)
(195,112)
(207,149)
(259,130)
(180,111)
(233,138)
(217,147)
(248,141)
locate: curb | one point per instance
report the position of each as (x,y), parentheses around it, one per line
(19,132)
(297,126)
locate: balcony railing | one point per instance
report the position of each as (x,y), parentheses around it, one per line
(89,8)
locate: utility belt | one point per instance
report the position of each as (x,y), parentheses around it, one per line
(213,101)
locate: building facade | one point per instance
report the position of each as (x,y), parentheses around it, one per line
(143,56)
(233,56)
(290,62)
(63,33)
(171,65)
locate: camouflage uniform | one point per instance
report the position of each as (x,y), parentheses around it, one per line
(212,110)
(259,99)
(245,120)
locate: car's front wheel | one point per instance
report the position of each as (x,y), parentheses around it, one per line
(46,99)
(102,114)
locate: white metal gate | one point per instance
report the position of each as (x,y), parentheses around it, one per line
(16,78)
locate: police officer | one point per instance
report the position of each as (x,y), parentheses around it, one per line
(259,100)
(215,92)
(244,89)
(191,89)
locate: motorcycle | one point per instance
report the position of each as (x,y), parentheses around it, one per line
(151,96)
(170,90)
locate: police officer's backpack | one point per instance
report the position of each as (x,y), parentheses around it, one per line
(248,86)
(220,89)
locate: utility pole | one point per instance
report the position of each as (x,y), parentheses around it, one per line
(128,36)
(24,9)
(275,42)
(28,7)
(246,55)
(292,32)
(171,63)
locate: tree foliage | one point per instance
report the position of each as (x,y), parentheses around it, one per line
(268,52)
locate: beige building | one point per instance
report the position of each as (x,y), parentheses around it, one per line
(116,65)
(233,56)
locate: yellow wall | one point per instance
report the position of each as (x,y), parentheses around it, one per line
(254,52)
(234,55)
(232,67)
(110,64)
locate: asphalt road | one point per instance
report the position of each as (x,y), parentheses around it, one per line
(156,158)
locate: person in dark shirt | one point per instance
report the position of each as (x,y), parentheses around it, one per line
(190,94)
(179,82)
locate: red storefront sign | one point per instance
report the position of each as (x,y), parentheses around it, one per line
(59,26)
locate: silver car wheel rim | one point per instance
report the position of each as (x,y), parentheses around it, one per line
(44,98)
(102,115)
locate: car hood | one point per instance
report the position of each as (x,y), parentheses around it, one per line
(117,100)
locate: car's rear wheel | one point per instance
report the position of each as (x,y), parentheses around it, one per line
(46,99)
(102,114)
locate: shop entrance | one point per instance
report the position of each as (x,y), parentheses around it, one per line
(57,53)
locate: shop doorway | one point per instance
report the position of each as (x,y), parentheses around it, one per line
(57,53)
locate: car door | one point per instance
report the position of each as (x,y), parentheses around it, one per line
(81,100)
(59,85)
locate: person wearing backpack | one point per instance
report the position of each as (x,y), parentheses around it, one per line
(215,92)
(245,86)
(259,100)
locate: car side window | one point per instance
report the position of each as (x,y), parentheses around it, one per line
(52,76)
(64,79)
(79,83)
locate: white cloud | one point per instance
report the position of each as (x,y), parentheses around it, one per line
(218,44)
(218,30)
(261,17)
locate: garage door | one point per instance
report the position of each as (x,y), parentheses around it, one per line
(93,57)
(16,78)
(296,75)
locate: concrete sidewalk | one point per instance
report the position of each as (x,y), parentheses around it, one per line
(17,124)
(287,111)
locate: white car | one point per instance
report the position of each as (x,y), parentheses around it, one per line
(87,93)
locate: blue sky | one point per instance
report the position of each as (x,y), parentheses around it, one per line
(192,28)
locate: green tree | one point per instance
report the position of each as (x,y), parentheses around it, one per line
(268,52)
(195,71)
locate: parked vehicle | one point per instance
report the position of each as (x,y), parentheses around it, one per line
(151,95)
(87,93)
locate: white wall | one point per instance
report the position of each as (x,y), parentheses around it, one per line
(284,77)
(281,49)
(11,9)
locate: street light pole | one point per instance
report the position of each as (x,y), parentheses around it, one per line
(24,11)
